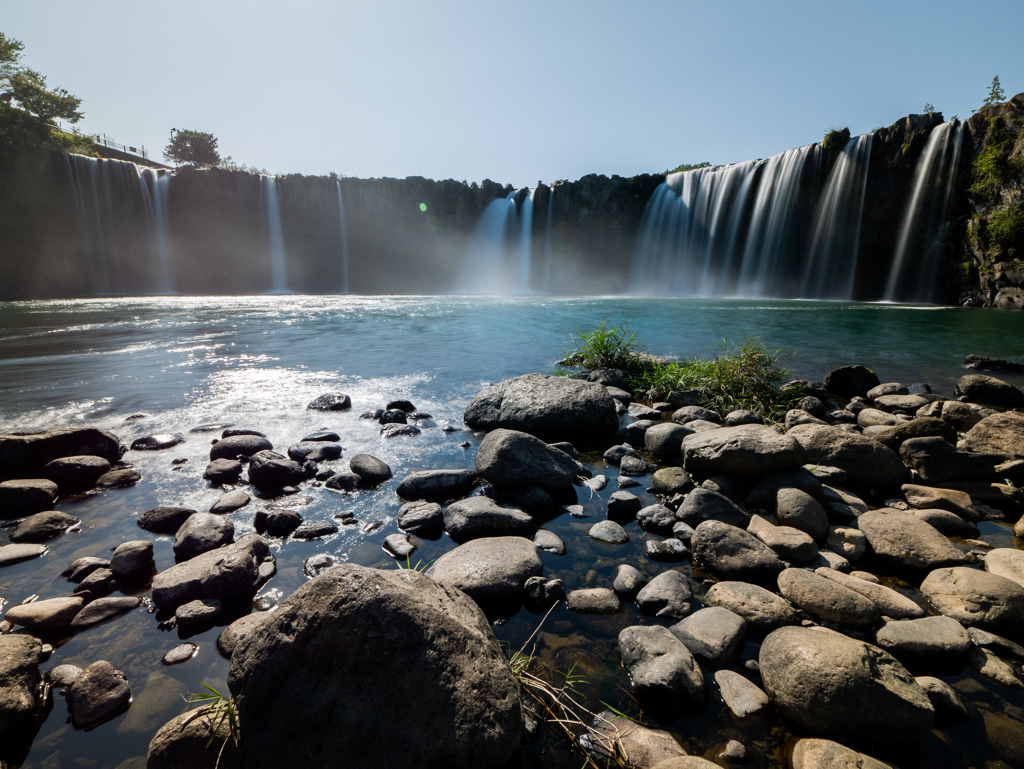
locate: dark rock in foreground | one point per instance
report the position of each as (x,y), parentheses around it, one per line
(19,680)
(23,455)
(450,698)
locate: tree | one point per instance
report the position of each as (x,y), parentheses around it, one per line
(929,109)
(193,148)
(28,108)
(995,94)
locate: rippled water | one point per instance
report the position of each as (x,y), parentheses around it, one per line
(257,361)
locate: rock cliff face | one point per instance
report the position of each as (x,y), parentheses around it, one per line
(993,238)
(73,226)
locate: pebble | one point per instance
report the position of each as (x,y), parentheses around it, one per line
(180,653)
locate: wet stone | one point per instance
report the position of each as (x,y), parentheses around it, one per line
(624,482)
(609,532)
(322,435)
(318,563)
(83,567)
(119,478)
(596,600)
(398,545)
(741,696)
(421,518)
(97,693)
(315,530)
(540,594)
(62,675)
(331,402)
(167,520)
(668,551)
(43,526)
(198,612)
(628,582)
(396,430)
(224,471)
(157,442)
(103,610)
(549,542)
(180,653)
(318,451)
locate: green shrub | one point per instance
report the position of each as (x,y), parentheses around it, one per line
(605,347)
(835,139)
(688,167)
(993,166)
(1006,229)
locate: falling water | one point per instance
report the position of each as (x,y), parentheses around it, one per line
(278,260)
(832,263)
(524,265)
(344,241)
(926,219)
(486,271)
(155,189)
(548,230)
(96,186)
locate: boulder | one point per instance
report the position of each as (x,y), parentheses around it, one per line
(157,442)
(489,570)
(763,611)
(437,485)
(608,532)
(202,532)
(824,754)
(230,502)
(978,388)
(890,603)
(270,470)
(999,434)
(926,644)
(667,595)
(450,694)
(937,461)
(20,684)
(1006,562)
(317,451)
(665,676)
(666,440)
(763,494)
(713,635)
(277,521)
(74,474)
(687,414)
(118,478)
(905,543)
(656,519)
(331,402)
(747,450)
(371,470)
(976,598)
(103,610)
(847,542)
(424,519)
(26,497)
(235,446)
(26,455)
(233,634)
(541,594)
(43,526)
(477,517)
(51,615)
(628,582)
(902,404)
(926,498)
(227,572)
(223,471)
(194,741)
(733,553)
(647,748)
(742,417)
(549,542)
(623,506)
(132,559)
(868,464)
(791,545)
(843,688)
(950,524)
(671,481)
(98,693)
(197,615)
(990,666)
(850,381)
(705,505)
(923,427)
(593,600)
(800,510)
(12,554)
(545,406)
(508,458)
(826,599)
(950,708)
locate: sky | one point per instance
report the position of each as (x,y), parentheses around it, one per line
(517,92)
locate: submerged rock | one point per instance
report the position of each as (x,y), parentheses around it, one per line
(451,695)
(97,693)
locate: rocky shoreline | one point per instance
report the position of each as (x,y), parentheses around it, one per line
(845,543)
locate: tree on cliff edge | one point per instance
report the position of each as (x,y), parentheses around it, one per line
(995,94)
(28,108)
(193,148)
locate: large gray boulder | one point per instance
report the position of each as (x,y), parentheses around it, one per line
(826,599)
(705,505)
(850,381)
(713,635)
(868,464)
(23,456)
(747,450)
(762,610)
(733,553)
(190,741)
(811,753)
(477,517)
(846,689)
(202,532)
(406,673)
(1000,434)
(270,470)
(664,673)
(436,485)
(546,406)
(19,680)
(976,598)
(905,543)
(26,497)
(509,458)
(937,461)
(890,603)
(227,572)
(74,474)
(235,446)
(1006,562)
(978,388)
(925,644)
(490,570)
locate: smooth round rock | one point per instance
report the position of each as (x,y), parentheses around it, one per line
(132,558)
(157,442)
(74,474)
(371,470)
(223,471)
(97,693)
(826,599)
(331,402)
(166,520)
(230,502)
(235,446)
(489,570)
(180,653)
(595,600)
(608,532)
(43,526)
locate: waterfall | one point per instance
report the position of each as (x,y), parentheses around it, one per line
(344,241)
(723,230)
(548,230)
(832,263)
(278,260)
(926,219)
(486,270)
(99,188)
(524,265)
(155,188)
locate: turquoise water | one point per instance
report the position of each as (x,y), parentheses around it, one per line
(257,361)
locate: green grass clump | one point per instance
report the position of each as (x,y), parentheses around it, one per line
(743,375)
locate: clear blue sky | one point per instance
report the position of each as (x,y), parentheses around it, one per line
(513,91)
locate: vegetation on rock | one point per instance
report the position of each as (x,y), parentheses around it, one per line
(835,139)
(688,167)
(995,94)
(194,148)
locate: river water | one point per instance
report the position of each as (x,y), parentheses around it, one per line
(257,361)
